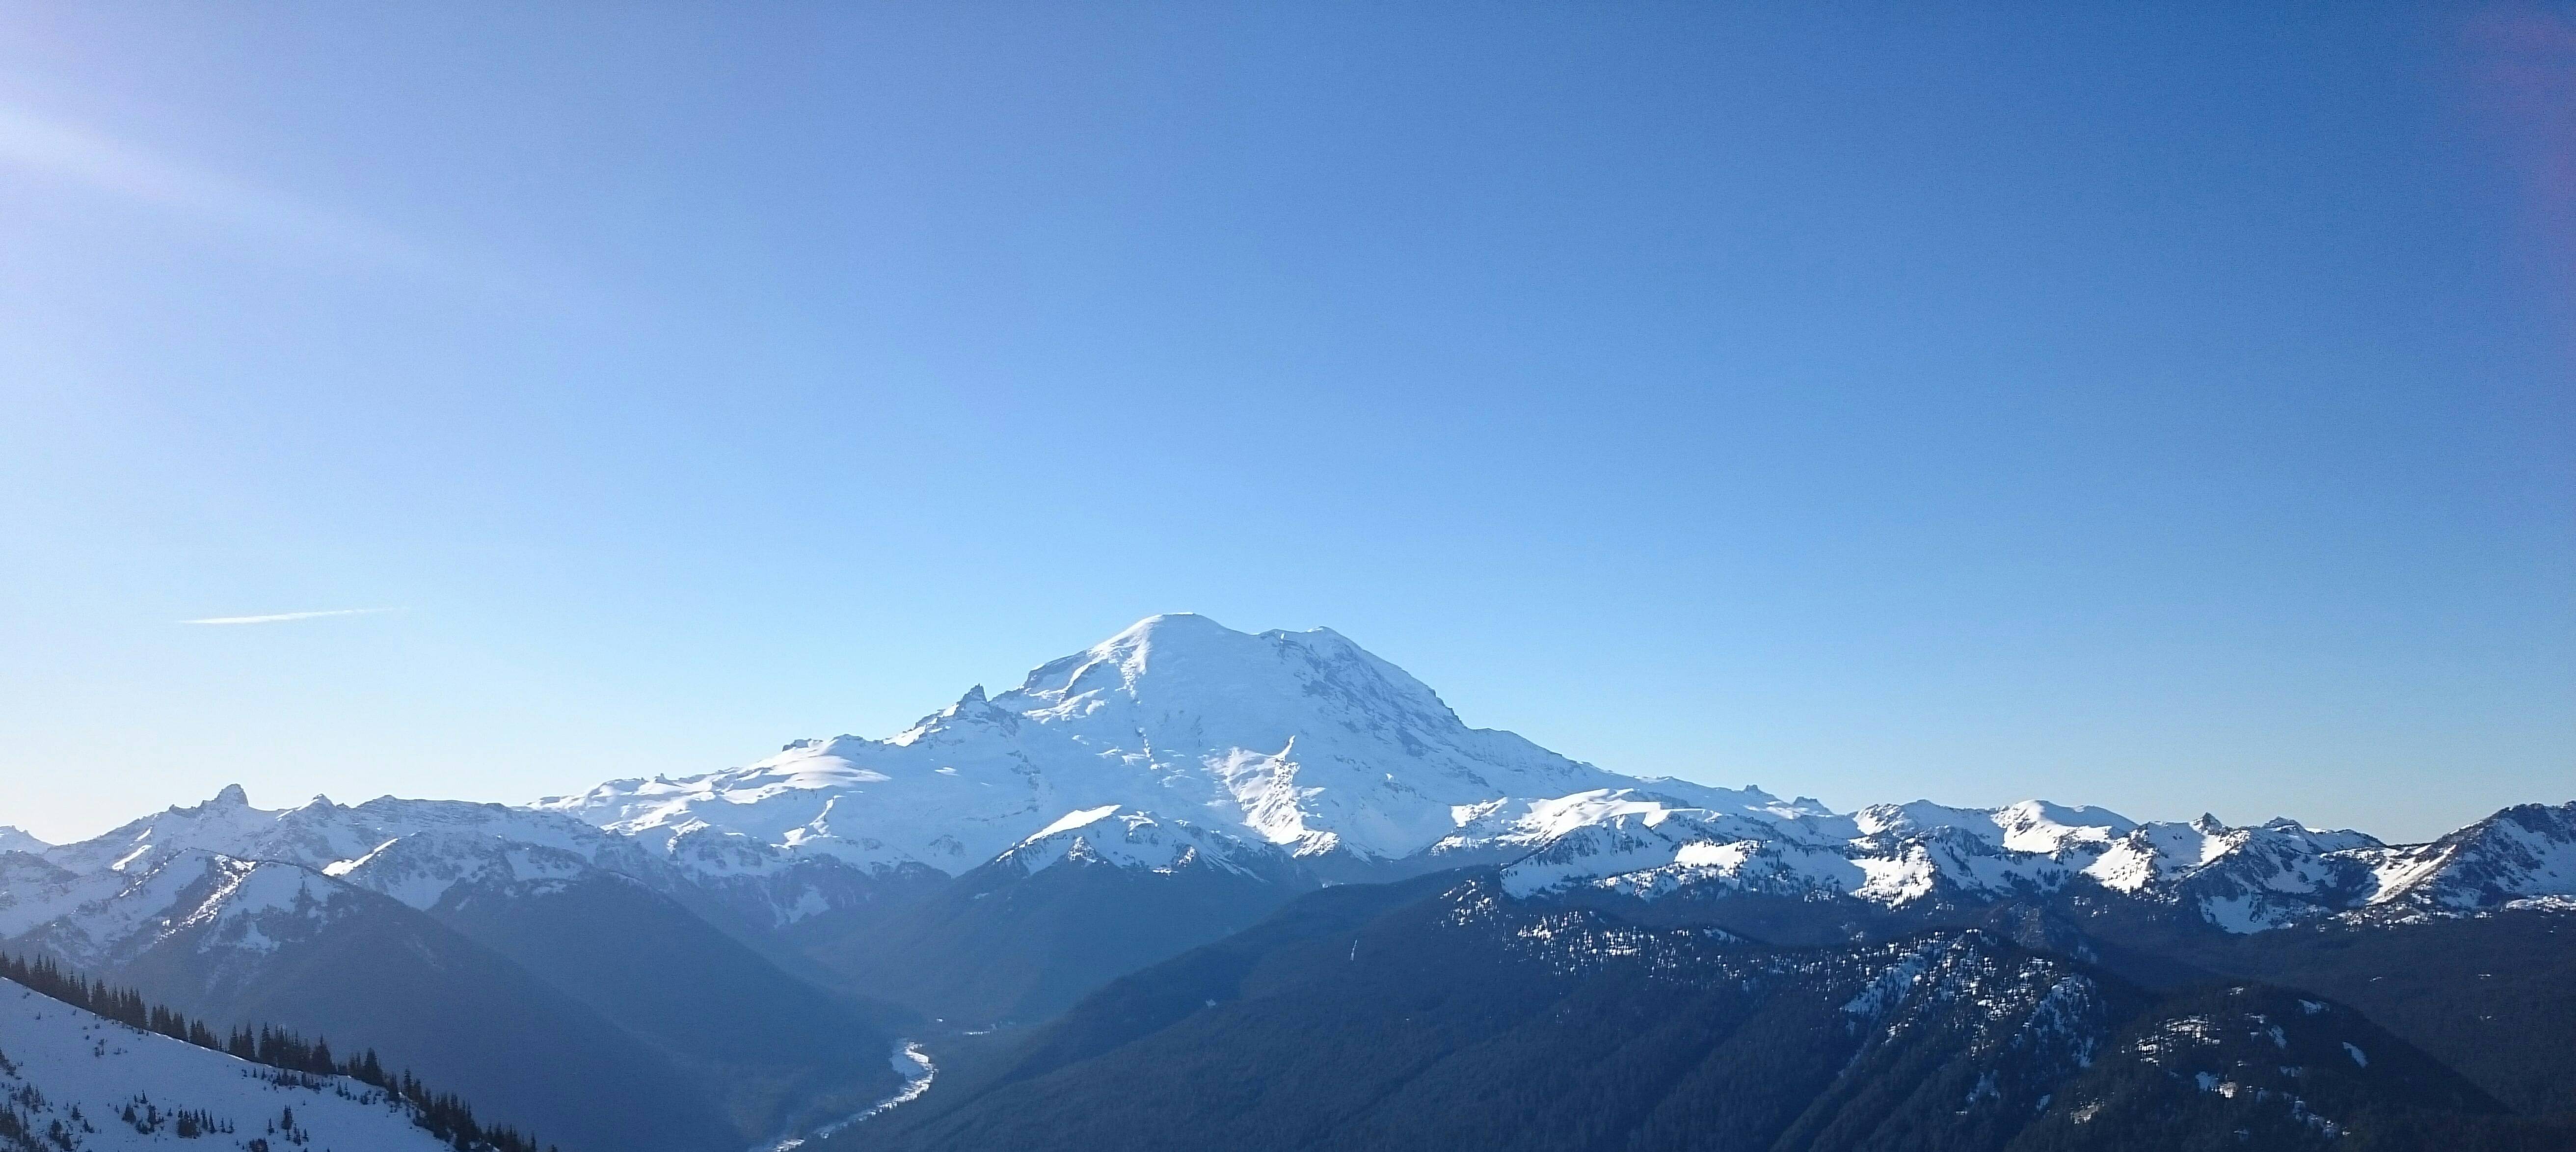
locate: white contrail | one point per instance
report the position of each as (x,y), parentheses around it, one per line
(285,616)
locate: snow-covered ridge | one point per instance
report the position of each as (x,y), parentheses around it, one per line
(2238,879)
(62,1064)
(1180,741)
(1307,742)
(2523,854)
(1127,838)
(217,902)
(416,851)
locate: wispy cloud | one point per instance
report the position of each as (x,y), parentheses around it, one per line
(282,617)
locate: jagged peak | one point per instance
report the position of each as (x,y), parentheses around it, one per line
(972,704)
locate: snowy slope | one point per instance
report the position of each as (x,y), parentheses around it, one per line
(2238,879)
(105,899)
(422,852)
(1299,739)
(411,850)
(1304,741)
(2524,853)
(1179,734)
(33,892)
(222,904)
(62,1065)
(1127,838)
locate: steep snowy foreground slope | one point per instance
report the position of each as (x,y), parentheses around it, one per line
(76,1082)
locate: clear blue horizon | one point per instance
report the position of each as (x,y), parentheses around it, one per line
(2165,408)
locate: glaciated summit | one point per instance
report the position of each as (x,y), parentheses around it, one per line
(1299,739)
(1197,735)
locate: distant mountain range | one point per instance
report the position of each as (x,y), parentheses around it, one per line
(737,958)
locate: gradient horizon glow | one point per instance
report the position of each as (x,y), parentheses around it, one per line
(2160,407)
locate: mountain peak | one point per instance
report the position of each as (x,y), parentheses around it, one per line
(231,797)
(1169,624)
(1185,661)
(1166,634)
(1299,738)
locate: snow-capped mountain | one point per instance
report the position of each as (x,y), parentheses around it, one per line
(1179,737)
(1298,739)
(240,941)
(1306,742)
(14,840)
(423,852)
(2524,853)
(415,851)
(221,904)
(106,1087)
(236,912)
(2237,879)
(717,940)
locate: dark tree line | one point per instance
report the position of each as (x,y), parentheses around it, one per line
(442,1114)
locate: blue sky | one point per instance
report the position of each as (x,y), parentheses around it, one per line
(2165,407)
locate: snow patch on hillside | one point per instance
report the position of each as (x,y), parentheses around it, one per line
(61,1064)
(1127,838)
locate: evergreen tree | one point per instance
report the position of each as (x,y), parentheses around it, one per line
(442,1115)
